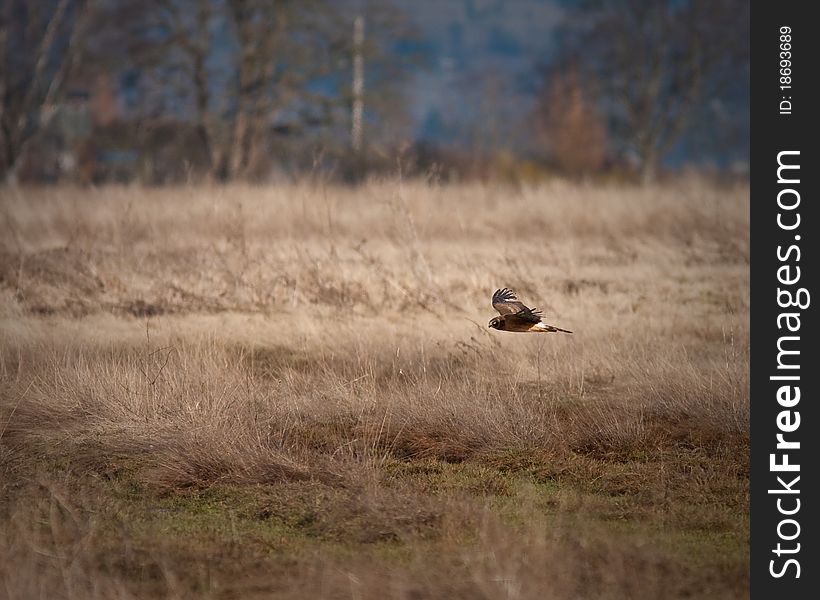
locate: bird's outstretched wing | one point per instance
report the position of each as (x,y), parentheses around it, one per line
(507,303)
(527,315)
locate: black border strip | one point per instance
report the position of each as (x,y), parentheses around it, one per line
(784,125)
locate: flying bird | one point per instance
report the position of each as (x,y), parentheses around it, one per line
(515,316)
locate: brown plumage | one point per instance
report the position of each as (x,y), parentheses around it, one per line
(515,316)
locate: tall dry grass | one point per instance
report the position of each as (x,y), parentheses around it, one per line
(316,343)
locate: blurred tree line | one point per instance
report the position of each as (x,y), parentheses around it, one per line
(173,90)
(636,76)
(160,90)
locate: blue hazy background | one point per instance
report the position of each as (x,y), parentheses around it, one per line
(161,90)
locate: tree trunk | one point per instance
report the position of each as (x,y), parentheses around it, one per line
(239,146)
(649,167)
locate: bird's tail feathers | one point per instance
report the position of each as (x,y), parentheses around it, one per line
(553,329)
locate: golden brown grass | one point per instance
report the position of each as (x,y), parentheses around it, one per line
(292,392)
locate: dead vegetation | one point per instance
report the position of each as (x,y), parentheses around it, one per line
(291,392)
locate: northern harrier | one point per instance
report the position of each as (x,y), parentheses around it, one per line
(517,317)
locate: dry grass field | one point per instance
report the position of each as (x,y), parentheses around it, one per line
(292,392)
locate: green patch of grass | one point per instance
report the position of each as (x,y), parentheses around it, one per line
(441,478)
(581,493)
(290,518)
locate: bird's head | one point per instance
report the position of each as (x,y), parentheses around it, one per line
(495,323)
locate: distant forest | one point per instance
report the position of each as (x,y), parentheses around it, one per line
(170,91)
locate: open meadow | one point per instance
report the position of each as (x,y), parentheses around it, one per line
(291,391)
